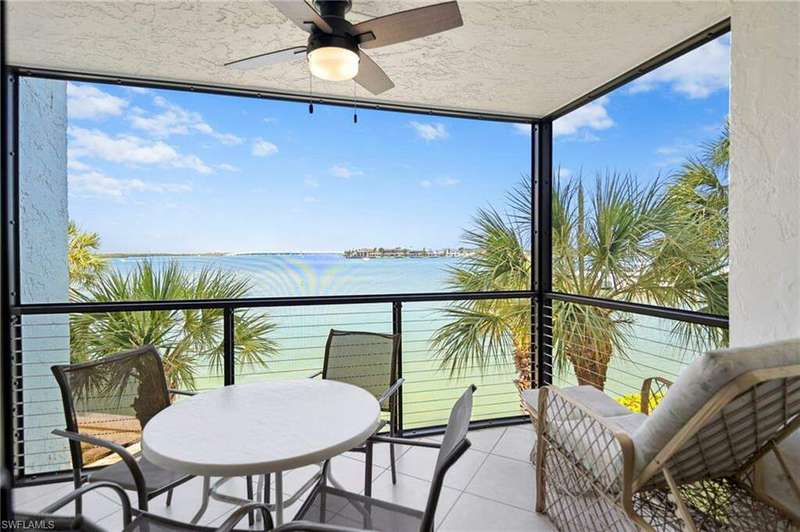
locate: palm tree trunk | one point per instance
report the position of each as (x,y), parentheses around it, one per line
(522,363)
(590,364)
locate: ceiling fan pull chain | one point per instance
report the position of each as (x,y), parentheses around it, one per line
(355,108)
(310,94)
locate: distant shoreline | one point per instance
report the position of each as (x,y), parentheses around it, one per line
(345,254)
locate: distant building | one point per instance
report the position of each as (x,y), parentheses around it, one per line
(400,252)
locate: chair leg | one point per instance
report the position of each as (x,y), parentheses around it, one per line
(77,481)
(368,470)
(249,487)
(169,497)
(391,458)
(393,434)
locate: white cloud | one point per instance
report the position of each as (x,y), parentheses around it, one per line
(523,129)
(440,182)
(175,120)
(428,132)
(697,74)
(674,149)
(95,183)
(562,172)
(86,101)
(310,199)
(74,164)
(270,120)
(228,167)
(310,182)
(263,148)
(343,171)
(593,115)
(139,90)
(128,149)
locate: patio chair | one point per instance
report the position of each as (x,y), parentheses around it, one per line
(148,522)
(331,505)
(133,520)
(689,465)
(370,361)
(107,404)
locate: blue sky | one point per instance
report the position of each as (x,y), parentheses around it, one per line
(168,171)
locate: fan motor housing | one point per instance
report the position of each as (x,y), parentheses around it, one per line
(333,8)
(321,40)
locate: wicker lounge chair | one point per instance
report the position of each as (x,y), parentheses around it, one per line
(692,463)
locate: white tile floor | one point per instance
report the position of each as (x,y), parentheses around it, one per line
(490,488)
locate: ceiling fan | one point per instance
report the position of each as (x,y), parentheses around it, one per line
(335,46)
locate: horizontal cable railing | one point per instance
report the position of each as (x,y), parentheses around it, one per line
(610,344)
(619,347)
(232,350)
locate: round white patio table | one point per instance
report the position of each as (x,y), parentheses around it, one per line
(260,428)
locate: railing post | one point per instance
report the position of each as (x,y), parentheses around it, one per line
(229,365)
(397,328)
(11,367)
(542,249)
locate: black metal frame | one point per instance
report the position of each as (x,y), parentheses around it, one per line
(266,94)
(687,45)
(540,292)
(543,247)
(6,366)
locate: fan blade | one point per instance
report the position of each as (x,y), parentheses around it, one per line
(371,76)
(302,14)
(406,25)
(269,58)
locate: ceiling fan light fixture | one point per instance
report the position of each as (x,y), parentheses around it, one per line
(333,63)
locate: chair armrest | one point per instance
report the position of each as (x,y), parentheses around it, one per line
(182,392)
(599,453)
(130,461)
(317,374)
(404,441)
(391,390)
(653,389)
(242,511)
(310,526)
(69,497)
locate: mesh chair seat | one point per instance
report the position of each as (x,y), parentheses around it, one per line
(336,507)
(147,522)
(155,477)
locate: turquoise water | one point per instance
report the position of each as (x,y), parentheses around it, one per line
(428,392)
(319,274)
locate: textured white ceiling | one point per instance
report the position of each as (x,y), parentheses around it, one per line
(510,57)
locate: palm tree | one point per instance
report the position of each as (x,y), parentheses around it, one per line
(484,332)
(83,261)
(623,241)
(699,191)
(188,339)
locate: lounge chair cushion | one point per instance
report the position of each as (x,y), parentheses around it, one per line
(776,482)
(602,405)
(589,396)
(697,384)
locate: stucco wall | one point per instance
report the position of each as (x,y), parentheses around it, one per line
(43,263)
(765,172)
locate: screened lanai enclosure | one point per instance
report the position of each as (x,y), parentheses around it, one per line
(563,196)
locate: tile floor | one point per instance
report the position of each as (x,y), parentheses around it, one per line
(490,488)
